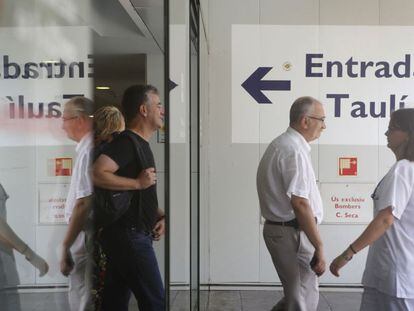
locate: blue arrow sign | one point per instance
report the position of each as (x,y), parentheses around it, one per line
(254,85)
(171,85)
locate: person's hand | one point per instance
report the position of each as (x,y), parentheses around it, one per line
(66,262)
(38,262)
(339,262)
(147,178)
(159,229)
(318,264)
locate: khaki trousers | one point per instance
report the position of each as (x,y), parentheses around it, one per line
(291,253)
(80,279)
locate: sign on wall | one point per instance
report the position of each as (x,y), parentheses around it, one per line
(348,166)
(359,79)
(59,166)
(40,69)
(347,203)
(52,199)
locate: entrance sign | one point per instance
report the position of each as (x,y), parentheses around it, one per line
(38,74)
(359,79)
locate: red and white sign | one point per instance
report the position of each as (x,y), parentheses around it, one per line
(63,167)
(347,203)
(348,166)
(52,199)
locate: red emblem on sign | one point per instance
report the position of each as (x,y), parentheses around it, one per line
(63,166)
(348,166)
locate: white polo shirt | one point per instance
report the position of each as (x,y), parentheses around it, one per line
(390,261)
(80,183)
(286,169)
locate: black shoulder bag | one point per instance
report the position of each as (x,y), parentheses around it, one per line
(110,205)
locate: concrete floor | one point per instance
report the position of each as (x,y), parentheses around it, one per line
(257,300)
(246,300)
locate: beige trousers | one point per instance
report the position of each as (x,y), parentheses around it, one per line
(80,279)
(291,253)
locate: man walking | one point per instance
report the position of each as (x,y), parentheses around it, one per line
(75,264)
(127,243)
(291,204)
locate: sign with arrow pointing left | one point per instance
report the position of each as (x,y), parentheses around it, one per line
(254,85)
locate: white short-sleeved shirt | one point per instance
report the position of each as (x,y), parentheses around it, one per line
(80,184)
(390,261)
(286,169)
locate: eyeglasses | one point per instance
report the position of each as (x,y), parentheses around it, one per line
(322,119)
(67,119)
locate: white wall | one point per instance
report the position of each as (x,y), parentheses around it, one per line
(233,241)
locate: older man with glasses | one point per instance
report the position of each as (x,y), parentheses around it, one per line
(291,204)
(77,123)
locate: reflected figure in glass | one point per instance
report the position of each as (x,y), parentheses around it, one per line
(75,262)
(9,277)
(127,163)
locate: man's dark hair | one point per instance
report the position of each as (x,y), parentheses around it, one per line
(135,96)
(300,107)
(403,119)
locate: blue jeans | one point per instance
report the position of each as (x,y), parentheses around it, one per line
(131,267)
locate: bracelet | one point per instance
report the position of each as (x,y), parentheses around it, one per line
(352,249)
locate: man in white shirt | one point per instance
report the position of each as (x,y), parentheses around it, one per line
(77,123)
(291,204)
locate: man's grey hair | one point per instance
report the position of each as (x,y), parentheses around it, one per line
(301,107)
(80,106)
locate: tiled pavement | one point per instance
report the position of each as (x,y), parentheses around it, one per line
(246,300)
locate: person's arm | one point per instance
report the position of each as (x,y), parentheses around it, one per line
(10,238)
(76,224)
(104,176)
(377,227)
(306,219)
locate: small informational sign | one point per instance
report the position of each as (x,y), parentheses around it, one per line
(348,166)
(52,199)
(59,166)
(347,203)
(63,167)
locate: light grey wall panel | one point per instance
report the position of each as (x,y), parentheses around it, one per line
(396,12)
(234,214)
(225,13)
(293,12)
(179,213)
(352,12)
